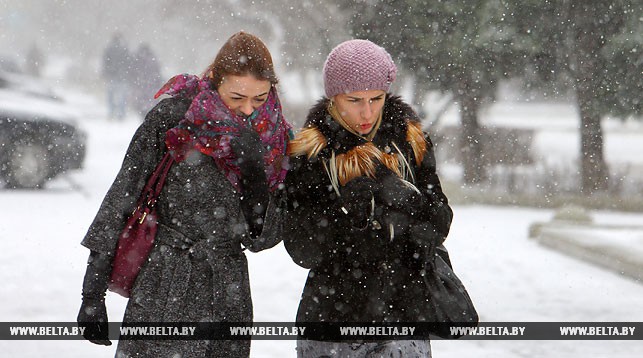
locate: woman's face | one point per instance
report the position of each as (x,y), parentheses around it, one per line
(243,94)
(360,109)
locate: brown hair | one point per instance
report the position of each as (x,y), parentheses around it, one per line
(243,54)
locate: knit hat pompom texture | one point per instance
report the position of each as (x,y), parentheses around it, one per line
(358,65)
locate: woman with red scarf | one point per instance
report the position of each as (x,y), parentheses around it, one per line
(228,138)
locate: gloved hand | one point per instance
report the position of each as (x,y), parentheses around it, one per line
(425,237)
(93,317)
(397,194)
(253,182)
(394,222)
(93,313)
(357,200)
(414,242)
(248,149)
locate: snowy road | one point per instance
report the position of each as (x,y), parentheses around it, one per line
(510,278)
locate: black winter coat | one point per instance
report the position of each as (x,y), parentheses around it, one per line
(372,273)
(196,271)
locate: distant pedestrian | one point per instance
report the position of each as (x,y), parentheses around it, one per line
(146,79)
(115,71)
(35,61)
(365,206)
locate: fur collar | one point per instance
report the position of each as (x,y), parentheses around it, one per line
(398,142)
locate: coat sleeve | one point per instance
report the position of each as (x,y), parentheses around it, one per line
(436,205)
(143,154)
(274,221)
(312,214)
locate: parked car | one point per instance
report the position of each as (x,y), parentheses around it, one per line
(39,134)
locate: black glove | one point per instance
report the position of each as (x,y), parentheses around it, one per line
(398,203)
(425,238)
(397,194)
(417,246)
(357,200)
(248,149)
(93,313)
(253,182)
(394,223)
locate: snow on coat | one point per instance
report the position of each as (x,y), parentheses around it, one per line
(362,274)
(197,271)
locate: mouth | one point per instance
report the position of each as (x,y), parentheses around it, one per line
(365,126)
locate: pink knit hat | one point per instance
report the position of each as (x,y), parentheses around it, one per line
(358,65)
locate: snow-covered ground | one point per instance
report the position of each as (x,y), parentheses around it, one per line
(509,277)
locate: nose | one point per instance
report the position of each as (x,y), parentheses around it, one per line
(367,111)
(246,108)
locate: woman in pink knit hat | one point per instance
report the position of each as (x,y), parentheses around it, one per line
(365,208)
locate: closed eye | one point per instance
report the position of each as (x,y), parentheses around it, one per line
(374,99)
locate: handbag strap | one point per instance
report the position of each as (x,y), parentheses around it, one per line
(167,162)
(155,183)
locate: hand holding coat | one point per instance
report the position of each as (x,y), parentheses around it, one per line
(253,182)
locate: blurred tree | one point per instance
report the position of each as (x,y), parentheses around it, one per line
(592,47)
(596,46)
(465,47)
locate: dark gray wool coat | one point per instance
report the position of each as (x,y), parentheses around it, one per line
(196,271)
(362,274)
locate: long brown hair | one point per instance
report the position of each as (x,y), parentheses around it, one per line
(243,54)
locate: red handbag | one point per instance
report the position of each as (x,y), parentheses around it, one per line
(137,239)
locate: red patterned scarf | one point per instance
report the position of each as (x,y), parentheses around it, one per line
(209,125)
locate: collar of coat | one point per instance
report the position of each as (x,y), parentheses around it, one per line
(345,156)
